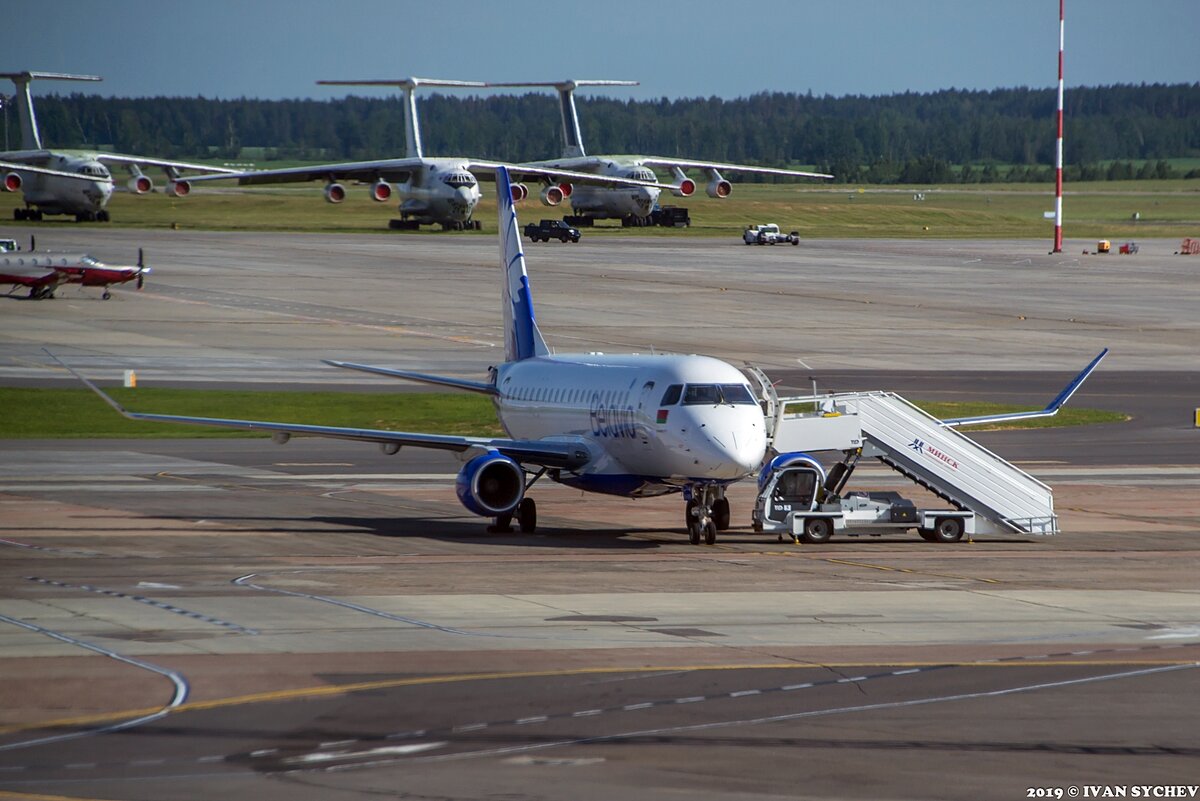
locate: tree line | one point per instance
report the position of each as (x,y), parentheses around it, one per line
(945,136)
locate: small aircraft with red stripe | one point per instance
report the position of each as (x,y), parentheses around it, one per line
(43,272)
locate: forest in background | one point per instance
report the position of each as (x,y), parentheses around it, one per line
(1111,132)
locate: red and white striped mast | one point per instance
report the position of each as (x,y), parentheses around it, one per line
(1058,149)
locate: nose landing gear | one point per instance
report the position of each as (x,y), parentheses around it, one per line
(707,512)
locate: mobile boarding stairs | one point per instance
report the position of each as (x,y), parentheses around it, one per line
(930,452)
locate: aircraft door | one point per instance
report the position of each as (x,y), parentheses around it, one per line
(644,410)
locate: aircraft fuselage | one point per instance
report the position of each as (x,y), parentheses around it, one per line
(52,194)
(610,202)
(643,440)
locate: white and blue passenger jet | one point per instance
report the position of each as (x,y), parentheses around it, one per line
(631,425)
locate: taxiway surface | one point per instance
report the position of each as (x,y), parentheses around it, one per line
(201,618)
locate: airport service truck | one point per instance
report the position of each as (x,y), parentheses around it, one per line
(796,499)
(768,234)
(552,229)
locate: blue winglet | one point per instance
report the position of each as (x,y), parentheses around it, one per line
(1051,408)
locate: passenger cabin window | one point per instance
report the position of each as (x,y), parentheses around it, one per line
(671,396)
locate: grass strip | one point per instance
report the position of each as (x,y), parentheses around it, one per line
(32,413)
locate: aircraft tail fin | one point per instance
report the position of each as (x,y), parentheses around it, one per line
(31,138)
(522,339)
(412,125)
(572,138)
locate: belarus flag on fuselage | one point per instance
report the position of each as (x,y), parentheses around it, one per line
(662,416)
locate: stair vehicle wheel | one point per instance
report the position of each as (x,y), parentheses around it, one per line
(720,513)
(527,516)
(927,534)
(817,530)
(710,533)
(948,529)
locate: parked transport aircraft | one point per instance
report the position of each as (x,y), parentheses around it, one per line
(68,181)
(634,205)
(441,190)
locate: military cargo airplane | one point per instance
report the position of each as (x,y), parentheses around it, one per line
(69,182)
(631,205)
(44,272)
(431,190)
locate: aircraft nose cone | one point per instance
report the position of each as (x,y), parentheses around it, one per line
(463,202)
(735,452)
(645,198)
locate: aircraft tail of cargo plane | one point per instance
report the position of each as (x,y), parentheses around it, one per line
(70,182)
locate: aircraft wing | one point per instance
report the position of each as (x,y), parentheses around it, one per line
(683,164)
(144,161)
(19,167)
(390,170)
(543,453)
(1050,410)
(426,378)
(522,172)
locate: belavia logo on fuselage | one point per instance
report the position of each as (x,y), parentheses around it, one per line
(920,446)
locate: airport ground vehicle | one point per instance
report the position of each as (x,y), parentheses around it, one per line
(671,217)
(768,234)
(797,499)
(985,493)
(552,229)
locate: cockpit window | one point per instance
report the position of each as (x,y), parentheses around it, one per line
(94,170)
(457,179)
(738,394)
(671,396)
(642,175)
(714,394)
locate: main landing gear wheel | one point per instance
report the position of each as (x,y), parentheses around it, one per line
(817,530)
(710,533)
(503,524)
(694,532)
(527,516)
(106,294)
(720,513)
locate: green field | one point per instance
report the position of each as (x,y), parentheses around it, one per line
(78,413)
(1092,210)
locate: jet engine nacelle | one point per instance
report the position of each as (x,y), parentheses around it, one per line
(381,191)
(519,192)
(719,187)
(686,188)
(551,195)
(140,184)
(12,182)
(335,193)
(491,484)
(179,189)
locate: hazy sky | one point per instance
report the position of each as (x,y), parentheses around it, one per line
(279,48)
